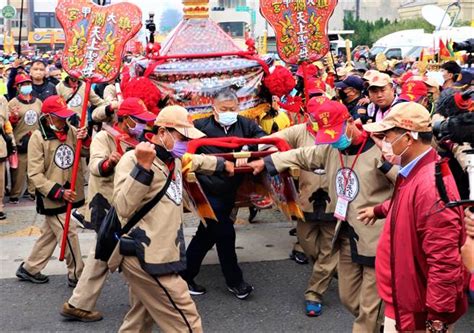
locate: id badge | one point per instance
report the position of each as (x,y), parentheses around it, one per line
(341,208)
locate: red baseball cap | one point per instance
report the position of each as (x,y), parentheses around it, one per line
(413,90)
(56,105)
(22,78)
(135,107)
(331,117)
(316,86)
(315,103)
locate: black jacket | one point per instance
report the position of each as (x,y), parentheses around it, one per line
(354,108)
(220,185)
(43,91)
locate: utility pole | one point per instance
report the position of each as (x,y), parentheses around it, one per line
(357,9)
(21,28)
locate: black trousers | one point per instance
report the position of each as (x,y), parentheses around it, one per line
(222,234)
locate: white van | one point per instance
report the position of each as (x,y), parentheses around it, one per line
(403,43)
(410,43)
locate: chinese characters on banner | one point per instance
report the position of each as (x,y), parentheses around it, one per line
(96,37)
(300,27)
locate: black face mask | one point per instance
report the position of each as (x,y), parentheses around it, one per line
(342,95)
(53,80)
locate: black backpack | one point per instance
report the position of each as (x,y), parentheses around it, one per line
(111,230)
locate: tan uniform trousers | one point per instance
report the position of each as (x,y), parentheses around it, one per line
(137,318)
(358,291)
(316,241)
(166,300)
(389,327)
(20,176)
(51,234)
(2,184)
(90,284)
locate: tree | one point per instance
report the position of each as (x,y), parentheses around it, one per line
(170,19)
(416,23)
(367,33)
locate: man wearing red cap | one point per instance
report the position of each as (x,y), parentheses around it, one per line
(50,160)
(415,91)
(315,233)
(107,148)
(357,178)
(24,111)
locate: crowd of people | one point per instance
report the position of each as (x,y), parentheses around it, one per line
(369,188)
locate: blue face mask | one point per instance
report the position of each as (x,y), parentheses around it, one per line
(227,118)
(26,90)
(343,143)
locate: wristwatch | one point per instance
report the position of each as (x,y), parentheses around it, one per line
(436,326)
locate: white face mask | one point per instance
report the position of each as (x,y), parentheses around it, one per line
(54,127)
(387,151)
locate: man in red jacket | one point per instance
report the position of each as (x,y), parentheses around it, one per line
(419,271)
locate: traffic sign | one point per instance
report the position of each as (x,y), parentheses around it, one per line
(8,12)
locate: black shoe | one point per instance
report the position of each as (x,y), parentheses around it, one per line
(72,282)
(299,257)
(23,275)
(292,232)
(242,291)
(14,201)
(80,220)
(3,216)
(252,213)
(196,289)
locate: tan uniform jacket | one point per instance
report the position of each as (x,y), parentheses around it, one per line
(159,239)
(50,169)
(75,103)
(370,184)
(110,93)
(28,113)
(3,121)
(101,185)
(313,185)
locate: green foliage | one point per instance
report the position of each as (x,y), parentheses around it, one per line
(367,33)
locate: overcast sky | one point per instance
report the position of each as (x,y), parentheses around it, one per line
(154,6)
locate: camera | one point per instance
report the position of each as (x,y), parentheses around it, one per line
(467,45)
(459,124)
(151,26)
(458,127)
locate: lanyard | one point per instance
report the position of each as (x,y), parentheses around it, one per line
(346,178)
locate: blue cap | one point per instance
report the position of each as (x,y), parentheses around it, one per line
(465,77)
(352,81)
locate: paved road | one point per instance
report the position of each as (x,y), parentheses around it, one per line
(275,306)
